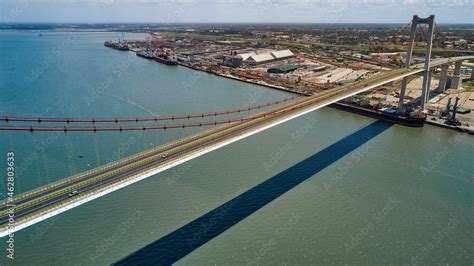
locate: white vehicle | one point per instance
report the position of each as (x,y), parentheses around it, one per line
(73,193)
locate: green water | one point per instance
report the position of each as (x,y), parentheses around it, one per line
(406,196)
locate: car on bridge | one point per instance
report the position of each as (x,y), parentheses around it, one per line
(73,193)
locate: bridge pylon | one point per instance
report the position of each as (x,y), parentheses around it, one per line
(426,76)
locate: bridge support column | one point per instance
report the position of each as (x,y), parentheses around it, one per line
(430,76)
(426,91)
(443,79)
(456,79)
(472,73)
(402,94)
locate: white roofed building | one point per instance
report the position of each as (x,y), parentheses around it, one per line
(282,54)
(245,56)
(260,58)
(255,59)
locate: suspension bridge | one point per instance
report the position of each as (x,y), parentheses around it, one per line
(44,202)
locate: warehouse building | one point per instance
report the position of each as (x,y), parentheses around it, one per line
(282,69)
(232,61)
(283,54)
(260,59)
(245,56)
(255,59)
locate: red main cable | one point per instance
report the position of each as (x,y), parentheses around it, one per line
(138,119)
(143,128)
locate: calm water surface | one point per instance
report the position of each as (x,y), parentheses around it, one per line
(405,196)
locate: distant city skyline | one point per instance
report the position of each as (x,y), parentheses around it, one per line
(233,11)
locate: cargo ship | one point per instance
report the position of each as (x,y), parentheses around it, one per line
(163,57)
(116,45)
(146,54)
(166,59)
(386,114)
(108,43)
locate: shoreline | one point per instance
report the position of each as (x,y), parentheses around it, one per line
(243,80)
(460,129)
(347,108)
(338,106)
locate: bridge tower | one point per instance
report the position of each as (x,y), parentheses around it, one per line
(426,76)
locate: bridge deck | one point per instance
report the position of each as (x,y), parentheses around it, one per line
(44,202)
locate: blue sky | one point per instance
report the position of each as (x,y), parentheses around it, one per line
(262,11)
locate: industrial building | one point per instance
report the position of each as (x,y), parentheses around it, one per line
(232,61)
(260,59)
(245,56)
(282,69)
(283,54)
(255,59)
(387,57)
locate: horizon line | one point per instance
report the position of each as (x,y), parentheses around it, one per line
(178,23)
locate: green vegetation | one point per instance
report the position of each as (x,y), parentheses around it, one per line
(301,46)
(382,49)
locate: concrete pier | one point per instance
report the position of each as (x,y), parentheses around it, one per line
(456,80)
(443,79)
(430,76)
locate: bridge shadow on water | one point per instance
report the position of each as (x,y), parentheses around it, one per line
(181,242)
